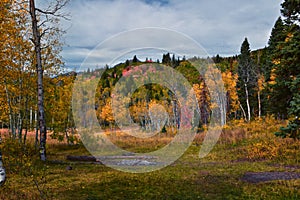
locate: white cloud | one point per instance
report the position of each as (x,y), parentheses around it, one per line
(219,25)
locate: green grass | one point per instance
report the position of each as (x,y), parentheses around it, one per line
(217,176)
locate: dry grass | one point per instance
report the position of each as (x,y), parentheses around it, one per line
(217,176)
(255,141)
(139,145)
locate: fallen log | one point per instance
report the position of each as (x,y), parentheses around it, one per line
(81,158)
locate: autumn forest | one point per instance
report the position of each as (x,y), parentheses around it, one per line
(38,131)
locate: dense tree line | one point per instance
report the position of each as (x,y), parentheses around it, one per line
(30,44)
(257,83)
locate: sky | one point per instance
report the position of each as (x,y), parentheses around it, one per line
(219,26)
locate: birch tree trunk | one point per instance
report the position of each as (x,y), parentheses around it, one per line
(248,103)
(10,113)
(30,119)
(2,171)
(36,130)
(259,104)
(243,110)
(40,90)
(259,86)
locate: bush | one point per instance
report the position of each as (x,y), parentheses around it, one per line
(17,157)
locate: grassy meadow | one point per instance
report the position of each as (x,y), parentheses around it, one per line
(242,148)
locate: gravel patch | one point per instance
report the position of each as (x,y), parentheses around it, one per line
(134,162)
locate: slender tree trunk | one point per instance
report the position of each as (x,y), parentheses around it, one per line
(36,135)
(258,86)
(27,118)
(10,113)
(222,103)
(30,119)
(39,70)
(20,126)
(25,136)
(243,110)
(20,115)
(2,171)
(247,102)
(259,104)
(36,130)
(67,137)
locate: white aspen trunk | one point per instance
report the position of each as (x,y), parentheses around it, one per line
(10,113)
(52,125)
(222,109)
(174,123)
(247,102)
(39,70)
(27,116)
(258,93)
(30,118)
(20,116)
(20,126)
(2,171)
(176,116)
(243,110)
(36,130)
(259,104)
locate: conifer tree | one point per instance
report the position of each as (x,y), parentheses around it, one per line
(278,35)
(287,71)
(247,77)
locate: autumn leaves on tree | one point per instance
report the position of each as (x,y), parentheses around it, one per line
(29,47)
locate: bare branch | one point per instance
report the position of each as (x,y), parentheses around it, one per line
(43,23)
(54,10)
(42,195)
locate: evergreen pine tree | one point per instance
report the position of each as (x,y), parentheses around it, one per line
(287,70)
(247,77)
(278,35)
(134,59)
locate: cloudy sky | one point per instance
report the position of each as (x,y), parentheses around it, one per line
(219,26)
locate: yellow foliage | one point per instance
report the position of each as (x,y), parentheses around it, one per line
(230,81)
(17,157)
(260,82)
(201,92)
(276,61)
(289,37)
(272,77)
(106,112)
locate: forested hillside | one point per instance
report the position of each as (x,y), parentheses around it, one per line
(257,82)
(262,105)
